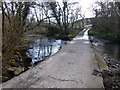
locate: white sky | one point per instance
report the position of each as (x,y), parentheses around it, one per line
(86,6)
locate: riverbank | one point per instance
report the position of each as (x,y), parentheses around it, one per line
(25,56)
(36,51)
(105,34)
(111,77)
(72,67)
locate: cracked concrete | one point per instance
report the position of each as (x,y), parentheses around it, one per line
(71,67)
(64,79)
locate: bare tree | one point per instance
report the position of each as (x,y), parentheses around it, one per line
(107,15)
(14,15)
(65,16)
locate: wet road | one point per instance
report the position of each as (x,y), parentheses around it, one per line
(71,67)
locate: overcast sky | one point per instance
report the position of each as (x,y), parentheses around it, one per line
(85,5)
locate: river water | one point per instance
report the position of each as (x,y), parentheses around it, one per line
(108,48)
(39,49)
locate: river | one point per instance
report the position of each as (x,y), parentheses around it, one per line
(39,49)
(107,48)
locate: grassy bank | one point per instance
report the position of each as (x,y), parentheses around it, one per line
(105,34)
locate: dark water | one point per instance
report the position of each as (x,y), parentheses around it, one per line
(113,50)
(41,48)
(108,48)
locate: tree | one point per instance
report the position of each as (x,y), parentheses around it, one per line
(107,15)
(65,16)
(14,16)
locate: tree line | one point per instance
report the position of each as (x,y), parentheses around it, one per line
(107,20)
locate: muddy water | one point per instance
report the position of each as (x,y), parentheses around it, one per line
(112,50)
(108,48)
(39,49)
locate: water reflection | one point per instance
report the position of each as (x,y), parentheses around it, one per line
(42,48)
(113,50)
(108,48)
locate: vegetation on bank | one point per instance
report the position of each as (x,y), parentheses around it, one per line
(106,23)
(46,19)
(53,32)
(104,35)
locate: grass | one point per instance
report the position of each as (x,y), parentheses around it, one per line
(100,33)
(74,32)
(105,34)
(93,32)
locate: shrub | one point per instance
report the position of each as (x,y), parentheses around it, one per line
(52,31)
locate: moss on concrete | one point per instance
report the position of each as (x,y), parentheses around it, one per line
(102,64)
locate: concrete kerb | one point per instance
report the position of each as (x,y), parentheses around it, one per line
(101,62)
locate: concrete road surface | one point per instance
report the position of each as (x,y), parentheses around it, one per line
(71,67)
